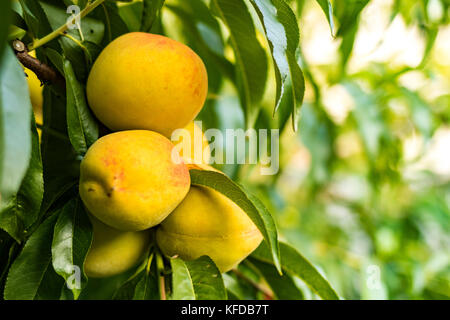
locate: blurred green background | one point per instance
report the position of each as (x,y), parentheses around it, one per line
(364,187)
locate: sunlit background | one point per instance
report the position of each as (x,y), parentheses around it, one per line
(363,190)
(366,181)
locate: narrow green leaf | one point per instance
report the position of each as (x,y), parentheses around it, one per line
(18,21)
(8,252)
(251,61)
(23,209)
(15,136)
(182,286)
(131,14)
(142,285)
(61,165)
(246,201)
(108,13)
(151,9)
(5,17)
(233,287)
(52,286)
(81,124)
(80,44)
(71,242)
(328,11)
(147,288)
(205,37)
(29,271)
(281,30)
(294,263)
(198,279)
(127,289)
(282,286)
(347,12)
(34,17)
(207,279)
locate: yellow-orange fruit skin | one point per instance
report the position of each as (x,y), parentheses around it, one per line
(147,81)
(195,149)
(131,180)
(208,223)
(35,89)
(113,251)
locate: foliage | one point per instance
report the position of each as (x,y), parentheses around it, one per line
(344,196)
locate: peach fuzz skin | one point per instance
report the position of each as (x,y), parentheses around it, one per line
(147,81)
(208,223)
(131,180)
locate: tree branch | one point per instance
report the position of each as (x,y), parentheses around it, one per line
(44,72)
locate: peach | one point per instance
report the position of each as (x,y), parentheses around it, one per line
(113,251)
(192,144)
(147,81)
(130,181)
(208,223)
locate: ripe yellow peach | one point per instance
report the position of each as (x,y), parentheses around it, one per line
(208,223)
(131,181)
(35,88)
(147,81)
(192,144)
(113,251)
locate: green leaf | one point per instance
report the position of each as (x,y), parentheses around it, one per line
(8,252)
(81,124)
(5,18)
(127,289)
(234,288)
(15,116)
(328,11)
(147,288)
(108,13)
(18,21)
(281,29)
(198,279)
(207,279)
(204,36)
(23,209)
(29,274)
(251,61)
(282,286)
(131,14)
(51,287)
(347,13)
(71,242)
(34,17)
(182,286)
(294,263)
(79,45)
(142,285)
(60,161)
(151,9)
(251,205)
